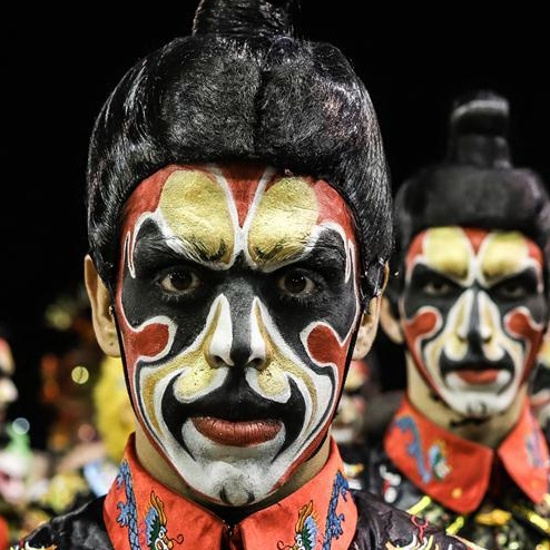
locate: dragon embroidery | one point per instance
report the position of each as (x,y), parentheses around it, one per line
(155,527)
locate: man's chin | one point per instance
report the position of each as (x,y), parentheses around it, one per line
(477,408)
(227,484)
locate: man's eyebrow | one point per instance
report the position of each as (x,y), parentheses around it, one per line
(422,270)
(151,249)
(528,271)
(315,255)
(449,269)
(327,253)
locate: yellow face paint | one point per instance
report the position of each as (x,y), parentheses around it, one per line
(234,366)
(186,197)
(283,223)
(473,307)
(447,250)
(273,379)
(505,254)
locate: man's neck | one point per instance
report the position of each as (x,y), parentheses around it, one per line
(163,471)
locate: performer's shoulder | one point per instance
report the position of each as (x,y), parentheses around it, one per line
(381,525)
(83,528)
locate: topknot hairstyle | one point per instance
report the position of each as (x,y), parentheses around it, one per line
(241,87)
(476,185)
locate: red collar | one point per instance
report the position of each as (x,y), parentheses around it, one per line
(139,511)
(455,471)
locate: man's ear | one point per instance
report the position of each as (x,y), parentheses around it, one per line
(102,316)
(369,323)
(390,322)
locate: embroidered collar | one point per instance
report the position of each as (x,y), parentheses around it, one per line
(142,514)
(455,471)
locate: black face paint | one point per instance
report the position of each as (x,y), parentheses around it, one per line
(237,342)
(474,310)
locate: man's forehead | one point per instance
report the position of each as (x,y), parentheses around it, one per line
(222,208)
(240,180)
(453,248)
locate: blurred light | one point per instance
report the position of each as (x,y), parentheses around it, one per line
(58,317)
(86,432)
(80,375)
(21,425)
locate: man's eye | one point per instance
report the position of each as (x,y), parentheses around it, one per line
(437,287)
(512,291)
(180,281)
(296,284)
(517,288)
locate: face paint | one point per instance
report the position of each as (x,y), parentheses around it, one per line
(238,302)
(474,310)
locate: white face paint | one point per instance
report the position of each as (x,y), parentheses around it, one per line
(239,301)
(473,310)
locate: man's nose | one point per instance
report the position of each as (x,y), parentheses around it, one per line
(238,338)
(474,328)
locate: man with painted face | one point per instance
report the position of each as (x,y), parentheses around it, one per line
(239,220)
(470,305)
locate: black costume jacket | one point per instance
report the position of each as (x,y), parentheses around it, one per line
(498,499)
(138,513)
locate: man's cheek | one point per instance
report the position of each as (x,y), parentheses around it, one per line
(421,336)
(324,347)
(520,325)
(421,326)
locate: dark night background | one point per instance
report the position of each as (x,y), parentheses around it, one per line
(58,68)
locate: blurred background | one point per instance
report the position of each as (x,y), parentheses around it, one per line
(58,67)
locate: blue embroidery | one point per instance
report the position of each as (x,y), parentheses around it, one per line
(534,451)
(414,449)
(128,510)
(333,525)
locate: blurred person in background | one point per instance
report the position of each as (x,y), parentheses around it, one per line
(348,428)
(90,412)
(469,305)
(15,452)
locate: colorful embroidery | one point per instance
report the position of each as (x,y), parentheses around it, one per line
(307,527)
(437,456)
(418,542)
(333,525)
(128,510)
(306,530)
(156,531)
(414,448)
(415,544)
(534,452)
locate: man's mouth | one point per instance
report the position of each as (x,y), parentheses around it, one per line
(473,376)
(478,372)
(237,434)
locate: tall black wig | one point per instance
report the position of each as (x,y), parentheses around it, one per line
(476,185)
(242,87)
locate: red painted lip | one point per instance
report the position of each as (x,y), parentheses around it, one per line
(478,376)
(237,434)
